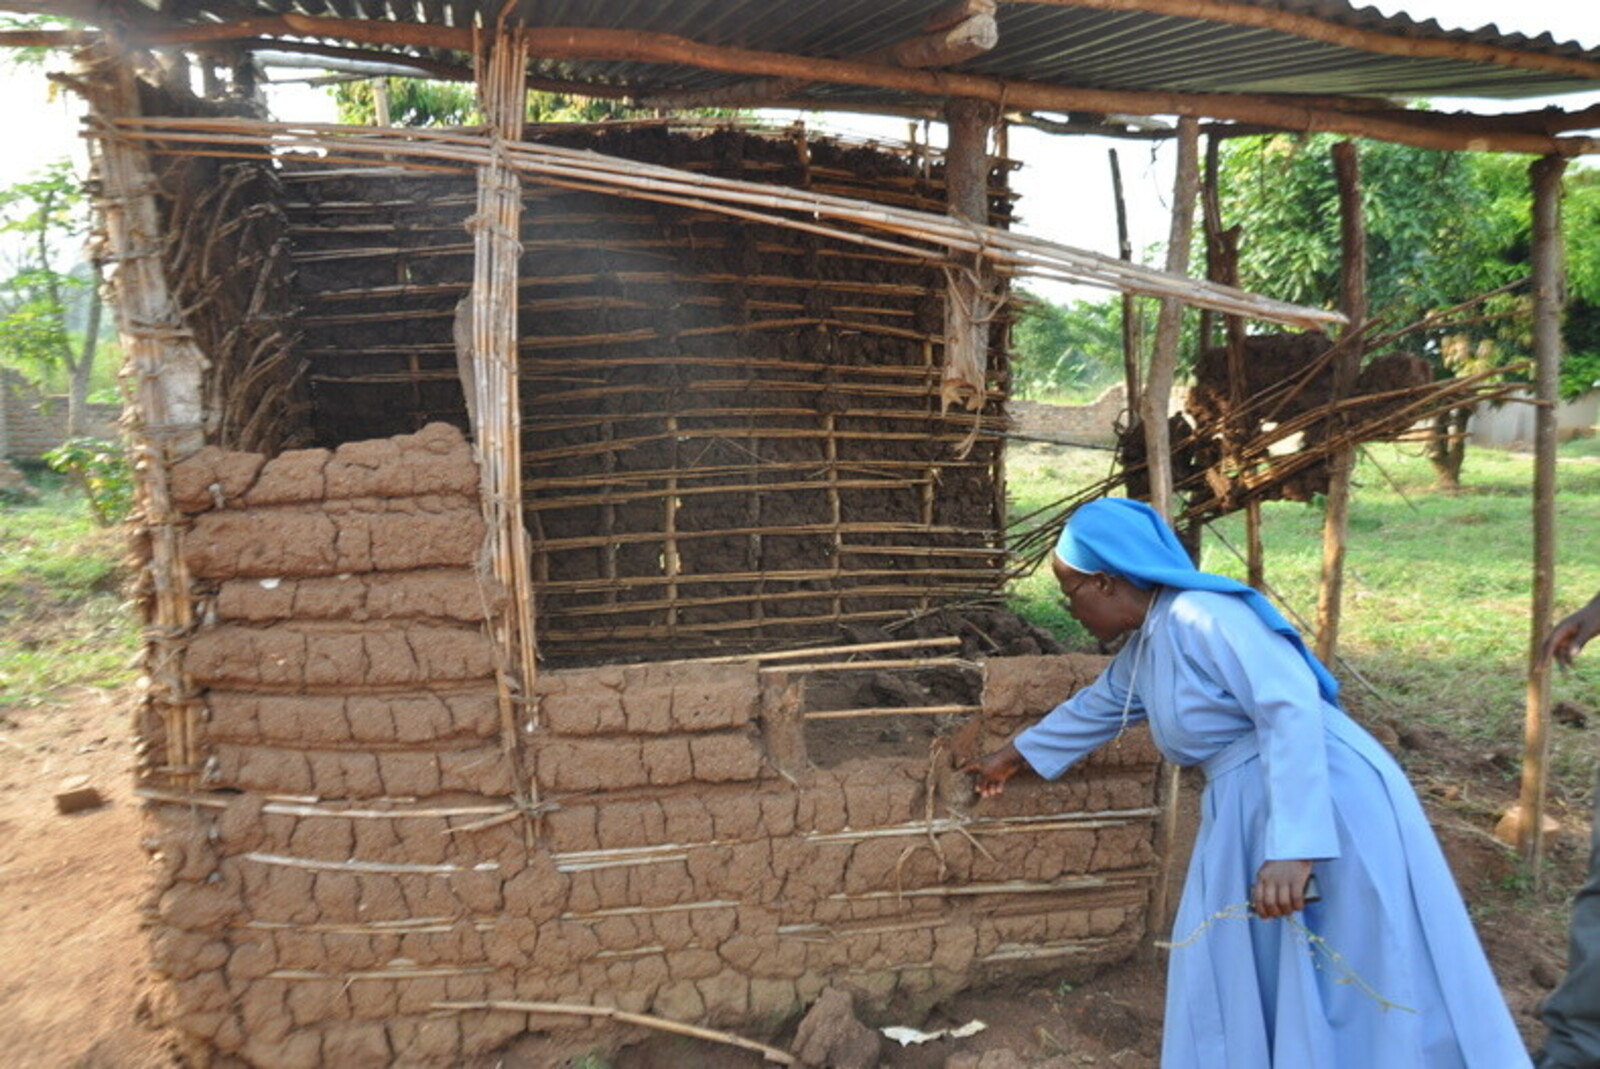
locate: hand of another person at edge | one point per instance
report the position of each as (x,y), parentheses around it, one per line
(993,769)
(1571,634)
(1280,888)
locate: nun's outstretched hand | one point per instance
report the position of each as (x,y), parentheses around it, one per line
(993,769)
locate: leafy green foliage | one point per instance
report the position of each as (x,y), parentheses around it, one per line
(421,102)
(37,217)
(1065,349)
(1441,226)
(1580,371)
(412,102)
(100,470)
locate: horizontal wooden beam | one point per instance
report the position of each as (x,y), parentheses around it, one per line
(1413,128)
(1420,129)
(952,35)
(1312,28)
(47,38)
(362,31)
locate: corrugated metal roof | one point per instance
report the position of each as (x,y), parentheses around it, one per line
(1039,41)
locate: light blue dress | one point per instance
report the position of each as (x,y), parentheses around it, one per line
(1393,976)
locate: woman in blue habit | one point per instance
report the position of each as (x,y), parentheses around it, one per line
(1391,975)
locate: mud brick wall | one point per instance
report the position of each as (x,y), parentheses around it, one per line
(355,857)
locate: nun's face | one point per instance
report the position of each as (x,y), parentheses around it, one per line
(1106,606)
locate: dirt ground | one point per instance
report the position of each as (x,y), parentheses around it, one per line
(74,991)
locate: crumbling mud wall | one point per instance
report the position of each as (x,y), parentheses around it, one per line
(354,881)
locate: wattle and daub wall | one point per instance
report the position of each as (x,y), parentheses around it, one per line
(732,430)
(357,858)
(359,871)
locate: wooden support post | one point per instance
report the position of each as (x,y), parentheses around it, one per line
(1545,175)
(163,368)
(1164,358)
(1346,367)
(1222,265)
(968,306)
(1132,377)
(1158,454)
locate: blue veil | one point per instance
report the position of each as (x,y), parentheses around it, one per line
(1119,536)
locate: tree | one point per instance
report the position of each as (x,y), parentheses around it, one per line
(420,102)
(43,216)
(1064,348)
(1442,228)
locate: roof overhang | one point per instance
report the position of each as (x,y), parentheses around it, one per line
(1295,65)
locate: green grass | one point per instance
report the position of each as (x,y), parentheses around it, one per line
(63,618)
(1436,615)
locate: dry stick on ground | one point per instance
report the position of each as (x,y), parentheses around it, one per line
(771,1054)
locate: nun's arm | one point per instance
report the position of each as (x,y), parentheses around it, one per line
(1084,721)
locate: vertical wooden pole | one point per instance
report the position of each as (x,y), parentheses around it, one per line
(967,304)
(1346,366)
(1545,175)
(1158,453)
(164,369)
(1164,358)
(1222,252)
(1132,375)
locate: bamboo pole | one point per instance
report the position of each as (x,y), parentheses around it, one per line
(939,642)
(497,433)
(822,529)
(884,468)
(835,509)
(631,280)
(1346,366)
(427,148)
(313,864)
(897,663)
(715,633)
(880,711)
(673,603)
(670,560)
(831,487)
(1545,177)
